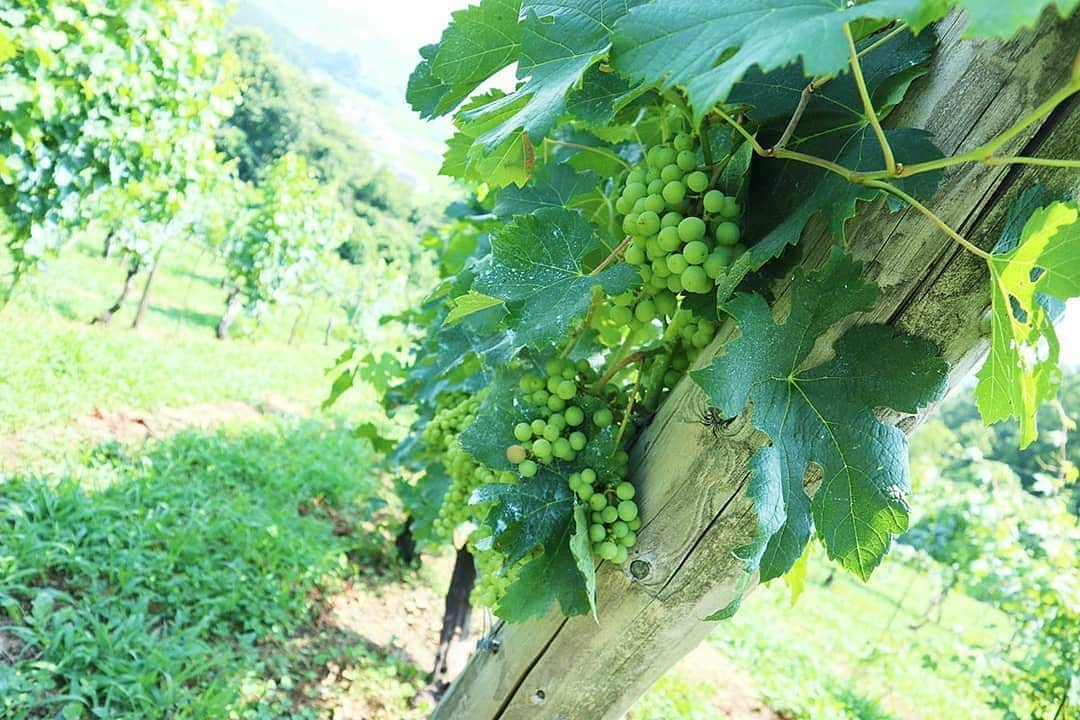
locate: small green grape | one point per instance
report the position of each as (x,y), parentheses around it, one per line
(622,315)
(671,173)
(574,416)
(542,448)
(660,267)
(670,219)
(637,175)
(597,532)
(656,204)
(522,432)
(598,502)
(567,389)
(656,185)
(603,417)
(561,449)
(538,427)
(634,191)
(635,524)
(676,263)
(515,454)
(664,156)
(588,476)
(717,262)
(668,239)
(674,192)
(578,441)
(695,252)
(645,311)
(628,540)
(683,142)
(607,550)
(692,228)
(623,206)
(619,529)
(686,160)
(727,233)
(648,223)
(609,514)
(674,283)
(528,468)
(635,255)
(627,510)
(621,555)
(713,201)
(730,209)
(625,491)
(695,280)
(556,403)
(697,181)
(665,301)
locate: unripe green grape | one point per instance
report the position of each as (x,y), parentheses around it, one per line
(542,448)
(671,377)
(717,263)
(597,532)
(628,540)
(556,404)
(622,315)
(538,427)
(727,233)
(553,381)
(574,481)
(676,263)
(645,311)
(622,458)
(660,267)
(595,517)
(528,468)
(588,476)
(621,555)
(530,382)
(609,514)
(665,301)
(634,191)
(635,524)
(713,201)
(695,252)
(647,223)
(656,282)
(683,142)
(674,283)
(730,209)
(625,491)
(686,160)
(629,224)
(574,416)
(697,181)
(598,502)
(619,528)
(623,206)
(561,449)
(607,550)
(578,441)
(522,432)
(671,173)
(637,175)
(695,280)
(515,454)
(652,248)
(652,174)
(668,239)
(665,156)
(656,185)
(625,299)
(691,228)
(567,389)
(652,157)
(674,192)
(670,219)
(640,205)
(557,421)
(603,417)
(700,340)
(635,255)
(627,510)
(584,492)
(656,204)
(569,372)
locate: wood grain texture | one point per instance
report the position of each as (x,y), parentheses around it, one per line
(691,481)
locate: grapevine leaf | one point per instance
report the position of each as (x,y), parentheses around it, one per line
(488,436)
(537,513)
(997,18)
(480,41)
(795,578)
(600,95)
(825,416)
(537,268)
(562,38)
(511,161)
(708,47)
(1021,371)
(834,127)
(554,185)
(581,548)
(467,304)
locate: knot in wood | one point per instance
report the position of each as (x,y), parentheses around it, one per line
(640,569)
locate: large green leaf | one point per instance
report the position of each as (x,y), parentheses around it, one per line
(538,268)
(480,41)
(555,185)
(823,415)
(835,127)
(539,513)
(708,46)
(1021,371)
(562,38)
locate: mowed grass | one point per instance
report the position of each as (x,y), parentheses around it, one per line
(848,649)
(176,587)
(55,366)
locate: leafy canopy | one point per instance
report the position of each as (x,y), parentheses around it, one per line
(823,415)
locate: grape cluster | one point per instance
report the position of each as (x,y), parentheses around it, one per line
(559,431)
(684,234)
(441,434)
(614,514)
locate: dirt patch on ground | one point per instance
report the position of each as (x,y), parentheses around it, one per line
(135,426)
(733,690)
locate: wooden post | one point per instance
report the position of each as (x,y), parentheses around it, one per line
(691,484)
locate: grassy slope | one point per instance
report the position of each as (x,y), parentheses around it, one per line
(55,366)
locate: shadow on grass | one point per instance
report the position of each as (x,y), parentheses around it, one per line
(152,584)
(188,316)
(193,274)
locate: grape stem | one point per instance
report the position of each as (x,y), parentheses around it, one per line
(804,98)
(612,256)
(963,242)
(619,361)
(628,413)
(868,105)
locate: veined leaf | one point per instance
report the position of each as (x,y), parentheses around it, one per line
(824,415)
(467,304)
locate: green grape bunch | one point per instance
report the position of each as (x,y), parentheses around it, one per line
(684,233)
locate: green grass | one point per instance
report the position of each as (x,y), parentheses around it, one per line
(55,366)
(171,590)
(847,650)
